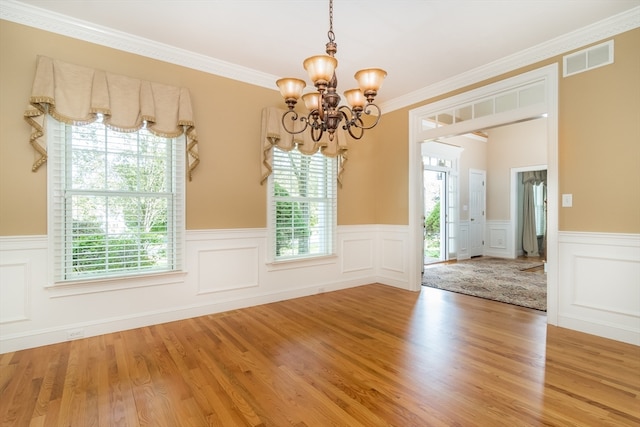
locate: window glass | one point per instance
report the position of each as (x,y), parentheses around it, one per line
(116,202)
(303,205)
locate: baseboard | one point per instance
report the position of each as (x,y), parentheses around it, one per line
(68,332)
(610,331)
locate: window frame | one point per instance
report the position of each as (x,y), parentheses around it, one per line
(57,136)
(327,257)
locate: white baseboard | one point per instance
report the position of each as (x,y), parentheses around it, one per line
(598,283)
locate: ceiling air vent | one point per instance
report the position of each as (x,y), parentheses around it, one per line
(588,59)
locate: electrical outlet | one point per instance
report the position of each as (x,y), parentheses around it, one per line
(74,334)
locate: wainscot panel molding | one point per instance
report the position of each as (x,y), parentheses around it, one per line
(463,241)
(599,290)
(224,270)
(498,239)
(599,283)
(393,256)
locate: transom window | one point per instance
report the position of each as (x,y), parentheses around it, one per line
(116,202)
(302,206)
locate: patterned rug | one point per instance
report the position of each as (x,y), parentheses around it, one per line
(514,281)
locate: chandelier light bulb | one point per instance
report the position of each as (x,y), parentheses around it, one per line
(355,98)
(320,69)
(291,89)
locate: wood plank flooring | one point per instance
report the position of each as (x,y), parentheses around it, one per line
(367,356)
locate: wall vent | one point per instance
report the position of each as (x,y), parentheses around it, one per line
(588,59)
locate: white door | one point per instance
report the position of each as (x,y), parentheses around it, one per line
(477,196)
(435,215)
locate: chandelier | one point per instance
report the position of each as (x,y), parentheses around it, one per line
(325,113)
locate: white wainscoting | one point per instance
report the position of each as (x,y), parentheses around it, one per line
(393,256)
(599,289)
(463,241)
(599,284)
(225,270)
(498,239)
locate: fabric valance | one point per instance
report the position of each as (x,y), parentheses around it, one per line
(273,135)
(534,177)
(78,95)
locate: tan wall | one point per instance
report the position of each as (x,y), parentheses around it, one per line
(599,130)
(225,191)
(513,146)
(600,143)
(599,149)
(391,179)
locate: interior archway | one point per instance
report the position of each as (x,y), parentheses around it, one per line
(418,133)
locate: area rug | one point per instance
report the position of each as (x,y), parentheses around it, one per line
(518,282)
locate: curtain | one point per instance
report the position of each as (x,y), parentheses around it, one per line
(274,135)
(78,95)
(529,234)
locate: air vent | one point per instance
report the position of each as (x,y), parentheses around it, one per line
(588,59)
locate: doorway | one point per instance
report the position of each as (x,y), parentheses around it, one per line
(440,200)
(538,205)
(535,94)
(435,230)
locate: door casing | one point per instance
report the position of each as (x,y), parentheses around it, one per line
(417,135)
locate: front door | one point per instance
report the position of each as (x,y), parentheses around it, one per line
(477,208)
(435,213)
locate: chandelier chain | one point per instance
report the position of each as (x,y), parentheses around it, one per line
(331,34)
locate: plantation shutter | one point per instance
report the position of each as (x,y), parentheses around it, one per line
(88,211)
(303,204)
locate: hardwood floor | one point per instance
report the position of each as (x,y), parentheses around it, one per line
(367,356)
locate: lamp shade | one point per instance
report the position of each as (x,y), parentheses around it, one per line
(312,101)
(291,88)
(320,68)
(355,97)
(370,79)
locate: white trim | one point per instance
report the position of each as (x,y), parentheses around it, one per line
(498,239)
(416,136)
(32,16)
(46,20)
(600,291)
(47,320)
(601,30)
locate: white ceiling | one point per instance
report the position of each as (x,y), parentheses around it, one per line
(418,42)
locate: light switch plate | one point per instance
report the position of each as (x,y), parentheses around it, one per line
(567,200)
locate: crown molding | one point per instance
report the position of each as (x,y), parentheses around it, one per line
(598,31)
(42,19)
(20,13)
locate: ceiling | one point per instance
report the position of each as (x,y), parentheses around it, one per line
(418,42)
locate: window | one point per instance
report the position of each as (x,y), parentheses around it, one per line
(116,203)
(540,201)
(302,206)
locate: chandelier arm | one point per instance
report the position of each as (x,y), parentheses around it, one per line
(367,111)
(353,135)
(316,133)
(351,121)
(294,117)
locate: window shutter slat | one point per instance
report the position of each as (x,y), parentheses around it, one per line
(302,205)
(116,202)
